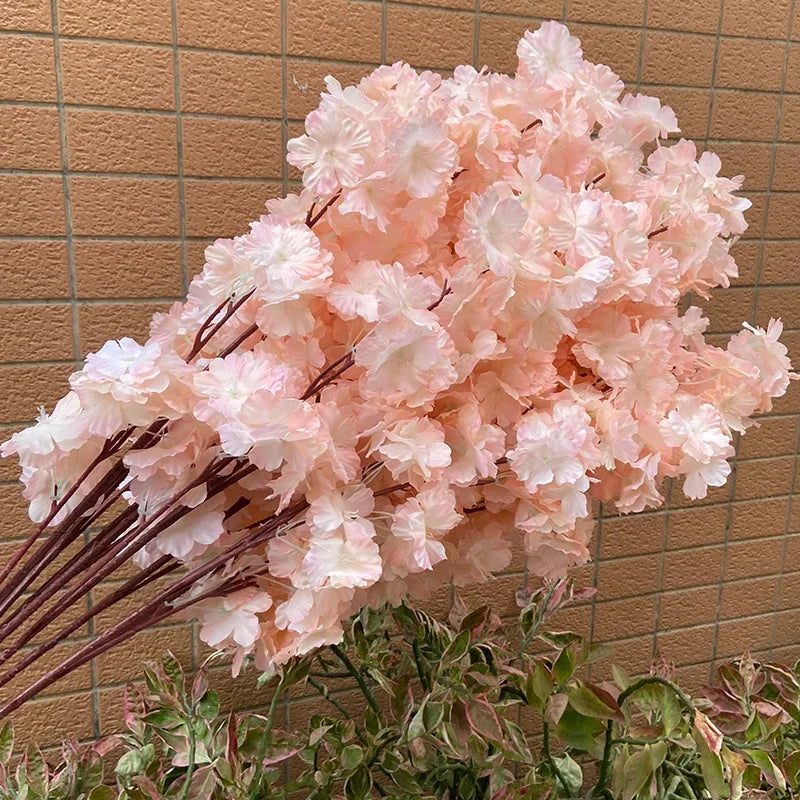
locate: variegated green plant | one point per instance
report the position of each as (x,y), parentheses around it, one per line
(464,709)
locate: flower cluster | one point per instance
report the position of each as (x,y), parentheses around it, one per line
(462,329)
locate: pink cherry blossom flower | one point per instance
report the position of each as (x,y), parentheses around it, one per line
(343,562)
(232,619)
(553,447)
(549,55)
(421,157)
(329,153)
(415,447)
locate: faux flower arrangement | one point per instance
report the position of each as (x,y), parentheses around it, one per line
(462,709)
(461,331)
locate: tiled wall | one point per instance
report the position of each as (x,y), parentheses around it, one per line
(133,132)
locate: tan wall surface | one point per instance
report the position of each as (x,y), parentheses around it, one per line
(134,131)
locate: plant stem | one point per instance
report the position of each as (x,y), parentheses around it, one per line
(325,693)
(685,783)
(255,784)
(423,678)
(161,606)
(528,638)
(605,764)
(602,780)
(359,679)
(548,757)
(190,764)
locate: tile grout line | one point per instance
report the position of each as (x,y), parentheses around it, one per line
(284,45)
(176,88)
(412,4)
(662,558)
(756,291)
(476,36)
(714,65)
(778,599)
(773,158)
(65,178)
(737,443)
(642,46)
(598,545)
(75,319)
(384,29)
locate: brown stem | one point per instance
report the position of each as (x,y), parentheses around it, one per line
(318,216)
(329,375)
(57,542)
(121,550)
(232,309)
(597,179)
(312,388)
(103,560)
(159,607)
(234,345)
(531,125)
(197,345)
(66,532)
(446,290)
(111,447)
(146,576)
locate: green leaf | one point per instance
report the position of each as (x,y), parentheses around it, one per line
(671,711)
(768,768)
(152,680)
(483,719)
(406,781)
(208,707)
(564,666)
(636,772)
(710,764)
(173,670)
(351,757)
(102,793)
(538,685)
(582,733)
(432,715)
(36,769)
(587,701)
(296,672)
(359,785)
(571,772)
(165,718)
(595,652)
(620,677)
(457,649)
(791,769)
(416,727)
(371,721)
(135,762)
(518,741)
(6,741)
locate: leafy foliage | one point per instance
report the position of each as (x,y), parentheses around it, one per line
(467,709)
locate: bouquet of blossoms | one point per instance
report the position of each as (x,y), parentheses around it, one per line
(463,328)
